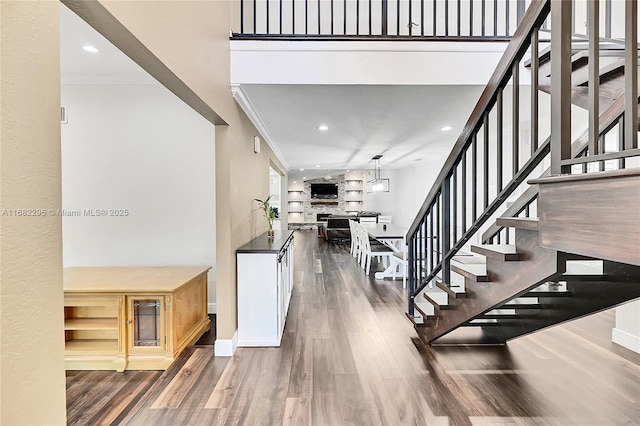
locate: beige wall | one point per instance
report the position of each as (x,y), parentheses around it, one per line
(31,296)
(191,39)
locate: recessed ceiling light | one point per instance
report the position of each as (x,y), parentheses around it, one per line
(302,170)
(295,181)
(89,48)
(317,165)
(304,177)
(323,127)
(446,128)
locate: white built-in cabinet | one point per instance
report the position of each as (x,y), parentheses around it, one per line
(265,283)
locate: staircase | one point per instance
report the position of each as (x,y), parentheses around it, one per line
(531,271)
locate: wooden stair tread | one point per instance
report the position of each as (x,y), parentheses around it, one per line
(530,223)
(503,252)
(473,271)
(417,321)
(605,72)
(469,260)
(455,291)
(439,299)
(426,309)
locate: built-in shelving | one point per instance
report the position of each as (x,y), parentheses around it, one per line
(353,195)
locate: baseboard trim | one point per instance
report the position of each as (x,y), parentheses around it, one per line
(625,339)
(211,308)
(227,347)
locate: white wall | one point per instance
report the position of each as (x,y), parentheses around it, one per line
(138,148)
(405,63)
(627,330)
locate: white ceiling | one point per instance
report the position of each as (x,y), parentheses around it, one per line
(401,122)
(108,66)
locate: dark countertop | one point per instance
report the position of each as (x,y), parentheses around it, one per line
(264,244)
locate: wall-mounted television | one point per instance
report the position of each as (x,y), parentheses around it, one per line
(324,191)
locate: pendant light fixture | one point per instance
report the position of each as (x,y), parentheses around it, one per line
(377,184)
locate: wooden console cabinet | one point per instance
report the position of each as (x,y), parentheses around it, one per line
(132,318)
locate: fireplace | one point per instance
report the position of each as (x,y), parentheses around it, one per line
(322,217)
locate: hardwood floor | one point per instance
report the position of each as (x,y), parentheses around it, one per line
(350,357)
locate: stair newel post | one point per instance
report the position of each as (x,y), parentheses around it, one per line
(560,85)
(446,229)
(631,74)
(412,273)
(593,21)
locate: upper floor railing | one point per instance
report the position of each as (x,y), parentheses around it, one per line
(380,18)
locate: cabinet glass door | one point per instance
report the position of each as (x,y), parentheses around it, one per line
(145,322)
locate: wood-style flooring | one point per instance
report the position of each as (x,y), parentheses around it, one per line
(349,356)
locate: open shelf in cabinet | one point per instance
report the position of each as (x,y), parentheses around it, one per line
(91,324)
(91,346)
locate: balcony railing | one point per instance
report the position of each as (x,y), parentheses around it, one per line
(380,18)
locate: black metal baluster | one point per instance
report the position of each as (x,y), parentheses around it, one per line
(281,16)
(344,13)
(435,30)
(471,18)
(495,18)
(319,19)
(621,162)
(385,17)
(255,18)
(306,16)
(421,17)
(515,125)
(438,228)
(464,193)
(454,201)
(332,12)
(458,19)
(474,179)
(446,230)
(446,17)
(358,17)
(485,166)
(483,16)
(499,142)
(398,18)
(506,19)
(267,14)
(535,72)
(607,18)
(431,241)
(370,19)
(241,16)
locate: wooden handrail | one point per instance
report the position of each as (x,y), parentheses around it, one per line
(532,20)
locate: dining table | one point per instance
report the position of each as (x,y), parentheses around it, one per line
(393,237)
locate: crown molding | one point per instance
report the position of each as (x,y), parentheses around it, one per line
(243,100)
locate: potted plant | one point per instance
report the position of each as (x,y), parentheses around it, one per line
(269,213)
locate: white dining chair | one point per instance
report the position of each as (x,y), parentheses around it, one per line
(381,252)
(355,243)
